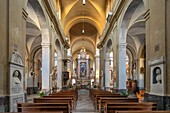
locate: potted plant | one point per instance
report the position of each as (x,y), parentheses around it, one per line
(41,93)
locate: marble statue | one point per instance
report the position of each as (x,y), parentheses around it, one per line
(16,79)
(158,77)
(54,75)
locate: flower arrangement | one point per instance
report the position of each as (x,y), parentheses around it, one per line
(41,93)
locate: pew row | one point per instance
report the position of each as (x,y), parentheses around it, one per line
(54,100)
(104,100)
(44,107)
(144,111)
(112,107)
(73,100)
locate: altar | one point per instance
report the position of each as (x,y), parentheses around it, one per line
(83,69)
(83,65)
(83,84)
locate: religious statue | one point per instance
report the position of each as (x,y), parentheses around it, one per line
(54,75)
(74,74)
(92,74)
(79,56)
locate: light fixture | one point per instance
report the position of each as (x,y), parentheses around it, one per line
(83,31)
(84,2)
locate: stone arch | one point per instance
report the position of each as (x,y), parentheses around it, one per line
(126,19)
(107,77)
(16,58)
(58,48)
(109,45)
(131,53)
(33,52)
(42,19)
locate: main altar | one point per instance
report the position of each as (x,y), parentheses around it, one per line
(83,69)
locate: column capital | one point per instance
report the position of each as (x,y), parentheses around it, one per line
(121,45)
(45,44)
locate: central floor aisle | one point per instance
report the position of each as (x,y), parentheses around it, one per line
(84,103)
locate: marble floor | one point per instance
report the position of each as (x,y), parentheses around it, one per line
(84,103)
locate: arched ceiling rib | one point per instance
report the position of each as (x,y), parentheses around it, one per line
(74,9)
(92,15)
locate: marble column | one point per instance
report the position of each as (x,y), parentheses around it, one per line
(59,72)
(70,64)
(102,74)
(121,48)
(107,73)
(97,67)
(45,66)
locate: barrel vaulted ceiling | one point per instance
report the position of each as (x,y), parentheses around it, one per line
(91,17)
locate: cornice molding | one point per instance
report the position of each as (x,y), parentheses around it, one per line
(114,18)
(146,15)
(24,14)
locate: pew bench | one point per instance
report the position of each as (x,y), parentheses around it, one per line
(97,98)
(73,100)
(104,100)
(143,111)
(65,94)
(54,100)
(43,107)
(112,107)
(34,112)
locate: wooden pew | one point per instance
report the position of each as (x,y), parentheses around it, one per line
(144,111)
(35,112)
(65,95)
(112,107)
(68,93)
(54,100)
(103,94)
(97,98)
(43,107)
(73,99)
(93,92)
(104,100)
